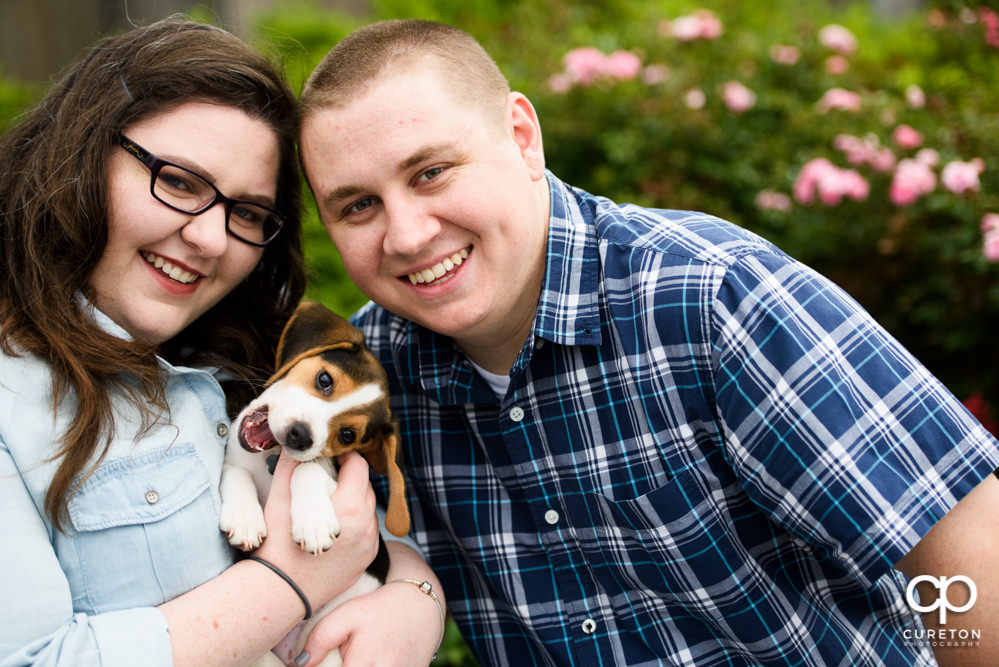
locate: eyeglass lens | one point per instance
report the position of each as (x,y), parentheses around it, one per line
(186,191)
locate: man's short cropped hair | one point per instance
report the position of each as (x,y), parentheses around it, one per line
(364,55)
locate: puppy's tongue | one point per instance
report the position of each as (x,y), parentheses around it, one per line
(255,433)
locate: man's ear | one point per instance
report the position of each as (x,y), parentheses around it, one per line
(526,132)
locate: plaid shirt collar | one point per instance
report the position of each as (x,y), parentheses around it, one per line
(567,314)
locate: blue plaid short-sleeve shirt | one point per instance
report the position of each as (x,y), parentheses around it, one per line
(707,455)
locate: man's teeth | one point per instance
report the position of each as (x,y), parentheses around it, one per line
(440,269)
(174,272)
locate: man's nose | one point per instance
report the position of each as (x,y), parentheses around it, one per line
(409,227)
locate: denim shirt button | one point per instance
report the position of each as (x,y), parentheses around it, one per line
(152,497)
(222,429)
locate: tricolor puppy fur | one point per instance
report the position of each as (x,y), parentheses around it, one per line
(328,396)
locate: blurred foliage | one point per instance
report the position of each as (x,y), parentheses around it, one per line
(919,268)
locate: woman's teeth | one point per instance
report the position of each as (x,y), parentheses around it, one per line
(168,269)
(440,269)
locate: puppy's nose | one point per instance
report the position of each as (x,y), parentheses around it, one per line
(299,437)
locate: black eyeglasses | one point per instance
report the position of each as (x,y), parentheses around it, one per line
(183,190)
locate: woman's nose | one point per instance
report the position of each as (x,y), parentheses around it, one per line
(207,231)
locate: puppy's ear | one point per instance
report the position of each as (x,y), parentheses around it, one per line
(385,461)
(315,326)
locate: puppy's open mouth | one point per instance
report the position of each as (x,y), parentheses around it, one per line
(255,433)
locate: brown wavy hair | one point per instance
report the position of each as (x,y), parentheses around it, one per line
(54,228)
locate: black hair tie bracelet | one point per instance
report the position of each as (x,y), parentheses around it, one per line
(273,568)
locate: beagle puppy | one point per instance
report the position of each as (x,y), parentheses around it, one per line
(328,396)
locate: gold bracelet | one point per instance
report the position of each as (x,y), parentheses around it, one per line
(428,589)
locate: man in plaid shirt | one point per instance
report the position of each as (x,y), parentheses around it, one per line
(632,436)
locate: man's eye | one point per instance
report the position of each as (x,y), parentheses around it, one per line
(431,174)
(360,205)
(324,383)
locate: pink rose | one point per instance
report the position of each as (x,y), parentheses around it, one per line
(915,96)
(928,156)
(865,151)
(821,177)
(784,54)
(710,25)
(701,24)
(839,98)
(912,179)
(769,200)
(990,247)
(695,98)
(990,21)
(907,137)
(737,97)
(837,38)
(585,64)
(990,222)
(837,64)
(654,74)
(990,236)
(622,65)
(559,83)
(685,28)
(960,177)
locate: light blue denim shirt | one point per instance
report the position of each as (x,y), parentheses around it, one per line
(141,530)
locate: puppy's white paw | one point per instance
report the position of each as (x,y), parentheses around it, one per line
(314,526)
(243,523)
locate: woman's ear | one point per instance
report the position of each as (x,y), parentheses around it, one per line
(525,130)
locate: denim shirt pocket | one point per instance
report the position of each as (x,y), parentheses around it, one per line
(146,530)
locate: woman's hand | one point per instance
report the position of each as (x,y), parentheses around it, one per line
(397,624)
(326,575)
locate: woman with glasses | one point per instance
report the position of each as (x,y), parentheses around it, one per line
(150,239)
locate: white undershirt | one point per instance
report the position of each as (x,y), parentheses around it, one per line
(498,383)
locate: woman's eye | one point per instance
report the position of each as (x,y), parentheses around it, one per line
(324,383)
(248,215)
(175,183)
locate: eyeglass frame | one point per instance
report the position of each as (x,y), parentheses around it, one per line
(154,164)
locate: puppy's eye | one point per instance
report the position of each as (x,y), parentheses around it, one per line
(348,436)
(324,383)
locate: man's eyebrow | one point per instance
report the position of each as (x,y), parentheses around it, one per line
(339,194)
(423,154)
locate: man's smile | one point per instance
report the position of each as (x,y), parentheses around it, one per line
(440,271)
